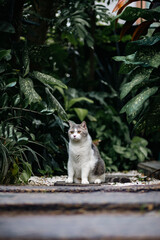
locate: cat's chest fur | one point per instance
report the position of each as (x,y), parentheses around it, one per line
(82,153)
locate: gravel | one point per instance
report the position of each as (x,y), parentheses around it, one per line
(135,177)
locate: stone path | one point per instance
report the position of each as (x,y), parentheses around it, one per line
(95,201)
(151,168)
(92,226)
(80,212)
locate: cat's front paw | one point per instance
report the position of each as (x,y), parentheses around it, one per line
(97,181)
(69,180)
(85,181)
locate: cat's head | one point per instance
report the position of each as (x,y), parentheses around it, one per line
(77,132)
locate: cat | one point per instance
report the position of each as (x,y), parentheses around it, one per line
(84,164)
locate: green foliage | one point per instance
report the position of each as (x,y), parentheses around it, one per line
(143,66)
(134,106)
(133,13)
(48,80)
(118,150)
(70,103)
(136,151)
(112,134)
(25,106)
(14,152)
(71,98)
(54,104)
(81,113)
(138,75)
(5,54)
(27,88)
(75,19)
(45,62)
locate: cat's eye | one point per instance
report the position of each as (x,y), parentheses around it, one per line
(79,131)
(71,132)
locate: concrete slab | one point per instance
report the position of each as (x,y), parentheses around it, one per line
(151,168)
(104,226)
(101,201)
(75,188)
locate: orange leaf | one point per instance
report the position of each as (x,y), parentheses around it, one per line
(122,7)
(123,3)
(119,5)
(126,4)
(141,29)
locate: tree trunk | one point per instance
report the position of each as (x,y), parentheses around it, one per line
(36,34)
(17,19)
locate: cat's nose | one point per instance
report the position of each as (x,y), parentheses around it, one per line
(74,136)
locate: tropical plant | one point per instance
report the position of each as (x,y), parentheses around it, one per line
(141,91)
(29,102)
(25,108)
(14,164)
(119,150)
(132,14)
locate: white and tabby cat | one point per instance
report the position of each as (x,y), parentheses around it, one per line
(85,164)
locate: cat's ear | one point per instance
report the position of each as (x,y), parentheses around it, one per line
(84,125)
(71,123)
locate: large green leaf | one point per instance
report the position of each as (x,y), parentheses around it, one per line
(145,57)
(150,121)
(147,41)
(129,59)
(133,107)
(27,172)
(75,100)
(149,56)
(137,76)
(129,63)
(47,79)
(4,53)
(27,88)
(133,13)
(56,105)
(126,68)
(81,113)
(11,82)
